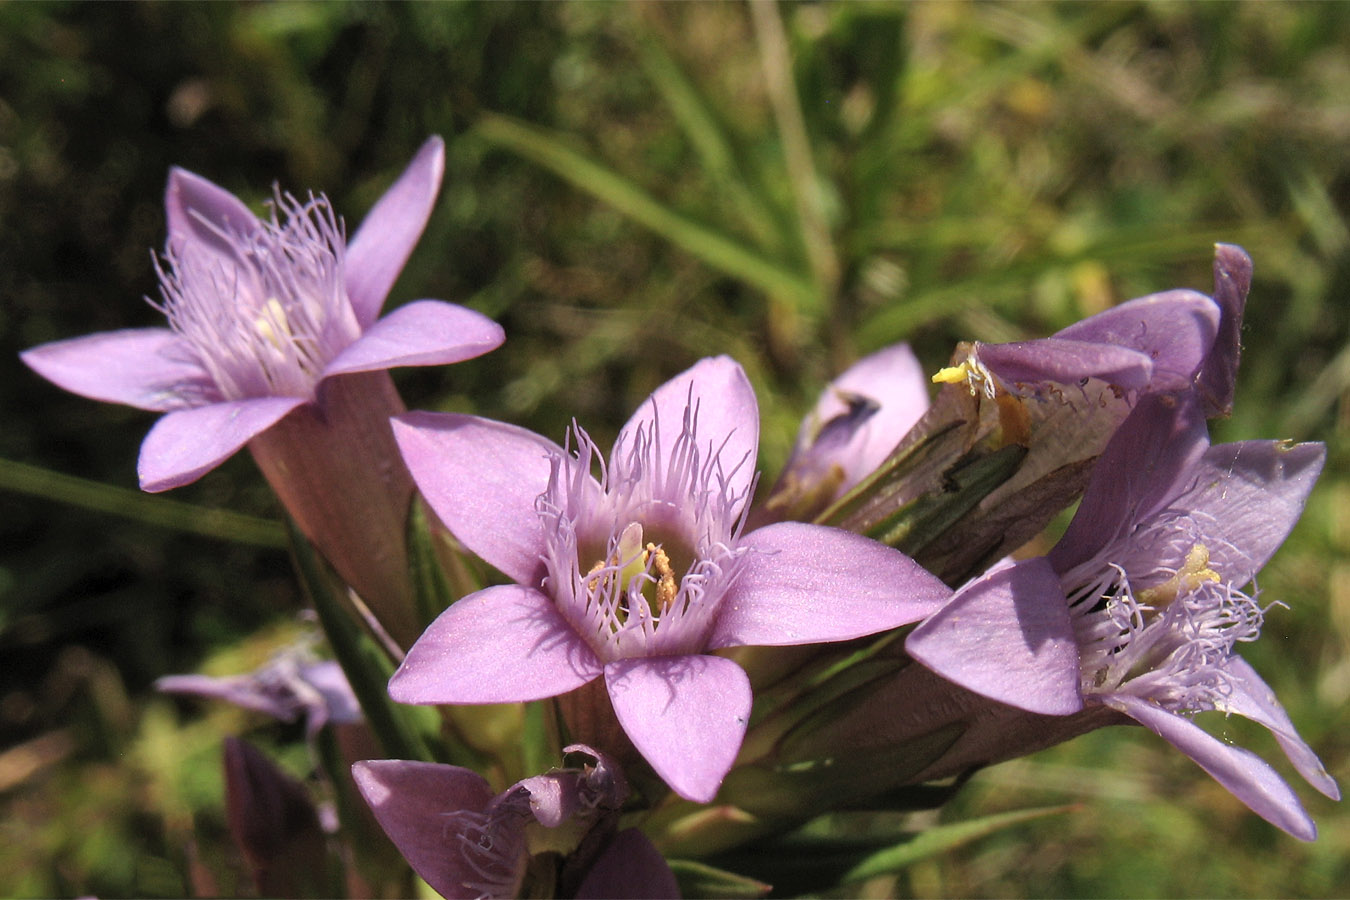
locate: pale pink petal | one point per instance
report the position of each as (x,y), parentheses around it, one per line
(413,801)
(186,444)
(803,584)
(499,645)
(482,478)
(895,380)
(716,392)
(1242,772)
(685,714)
(377,252)
(1007,635)
(1252,697)
(629,867)
(204,213)
(149,368)
(1232,281)
(422,333)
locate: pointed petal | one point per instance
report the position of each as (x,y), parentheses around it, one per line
(894,392)
(631,867)
(1248,496)
(377,252)
(240,690)
(1252,697)
(1007,635)
(198,211)
(1242,772)
(718,392)
(411,801)
(1147,463)
(422,333)
(1175,329)
(1232,281)
(187,443)
(685,714)
(1066,362)
(482,478)
(803,584)
(499,645)
(149,368)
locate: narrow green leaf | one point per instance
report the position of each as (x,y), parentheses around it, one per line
(401,729)
(431,589)
(152,509)
(551,151)
(942,838)
(698,879)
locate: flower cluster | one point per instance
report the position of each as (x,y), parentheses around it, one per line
(745,666)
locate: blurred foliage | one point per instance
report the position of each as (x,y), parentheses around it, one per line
(629,188)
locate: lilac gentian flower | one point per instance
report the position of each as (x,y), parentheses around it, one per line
(856,423)
(467,842)
(1140,606)
(260,313)
(640,575)
(291,685)
(275,341)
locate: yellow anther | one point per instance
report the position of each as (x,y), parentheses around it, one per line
(953,374)
(666,588)
(272,324)
(1193,573)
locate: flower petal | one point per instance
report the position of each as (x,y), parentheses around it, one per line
(1252,698)
(377,252)
(482,478)
(717,392)
(411,801)
(149,368)
(1066,362)
(685,714)
(1007,635)
(422,333)
(1146,464)
(1232,281)
(499,645)
(801,584)
(631,867)
(1175,329)
(198,211)
(892,385)
(1250,495)
(1242,772)
(187,443)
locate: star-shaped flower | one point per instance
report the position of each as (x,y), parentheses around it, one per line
(640,575)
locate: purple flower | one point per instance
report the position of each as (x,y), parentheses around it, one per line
(467,842)
(260,313)
(639,575)
(856,423)
(289,686)
(1140,606)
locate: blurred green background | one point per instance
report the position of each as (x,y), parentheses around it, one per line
(630,188)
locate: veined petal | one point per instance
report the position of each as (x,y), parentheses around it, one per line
(717,390)
(1062,361)
(802,584)
(1252,698)
(1007,635)
(377,252)
(204,213)
(149,368)
(411,801)
(482,478)
(1250,495)
(1242,772)
(1147,463)
(1232,281)
(1175,329)
(422,333)
(187,443)
(499,645)
(631,867)
(685,714)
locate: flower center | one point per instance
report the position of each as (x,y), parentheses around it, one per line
(265,314)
